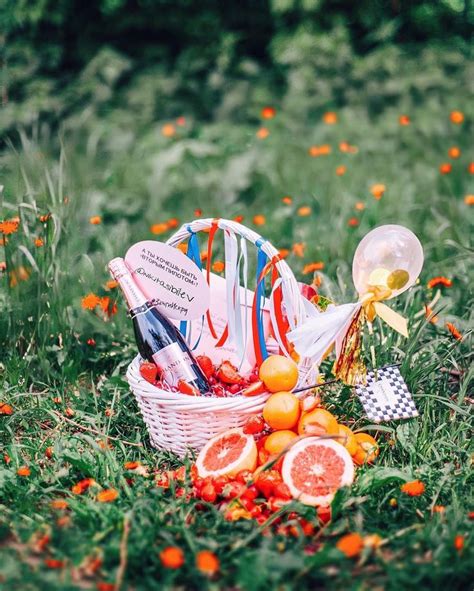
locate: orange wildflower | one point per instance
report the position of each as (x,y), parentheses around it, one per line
(159,228)
(3,266)
(287,200)
(54,563)
(40,541)
(203,255)
(173,223)
(198,212)
(183,247)
(404,120)
(103,586)
(350,545)
(23,471)
(111,284)
(454,152)
(239,219)
(168,130)
(95,220)
(393,502)
(69,412)
(298,249)
(91,342)
(39,242)
(430,315)
(172,557)
(59,504)
(304,211)
(108,495)
(454,331)
(435,281)
(456,117)
(9,226)
(7,459)
(44,218)
(471,515)
(268,112)
(207,563)
(131,465)
(341,170)
(17,275)
(57,400)
(459,542)
(360,206)
(218,266)
(283,252)
(378,190)
(470,168)
(259,220)
(262,133)
(346,148)
(48,452)
(325,149)
(445,168)
(63,521)
(330,118)
(5,409)
(352,222)
(82,486)
(415,488)
(468,200)
(181,121)
(439,509)
(90,301)
(311,267)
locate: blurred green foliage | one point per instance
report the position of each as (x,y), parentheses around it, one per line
(58,55)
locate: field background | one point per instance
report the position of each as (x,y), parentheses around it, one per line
(138,113)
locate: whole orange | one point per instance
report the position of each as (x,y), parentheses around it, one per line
(368,449)
(318,422)
(278,373)
(277,441)
(347,439)
(282,410)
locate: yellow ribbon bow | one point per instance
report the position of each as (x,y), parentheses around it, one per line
(349,367)
(373,306)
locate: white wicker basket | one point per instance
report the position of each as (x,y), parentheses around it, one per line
(179,423)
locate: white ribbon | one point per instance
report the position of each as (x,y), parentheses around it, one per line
(321,329)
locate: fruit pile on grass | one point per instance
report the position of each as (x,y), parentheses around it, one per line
(295,450)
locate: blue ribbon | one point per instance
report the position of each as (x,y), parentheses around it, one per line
(261,262)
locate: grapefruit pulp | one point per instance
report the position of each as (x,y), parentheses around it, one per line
(313,470)
(227,454)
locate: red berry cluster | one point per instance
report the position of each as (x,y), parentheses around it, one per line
(248,495)
(224,379)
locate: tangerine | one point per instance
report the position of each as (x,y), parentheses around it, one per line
(277,441)
(282,410)
(347,439)
(368,449)
(318,422)
(278,373)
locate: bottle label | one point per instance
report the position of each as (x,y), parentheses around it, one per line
(175,363)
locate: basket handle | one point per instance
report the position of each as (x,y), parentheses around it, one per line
(285,292)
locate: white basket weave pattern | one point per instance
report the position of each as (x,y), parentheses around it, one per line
(177,422)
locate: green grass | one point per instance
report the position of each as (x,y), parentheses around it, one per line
(136,178)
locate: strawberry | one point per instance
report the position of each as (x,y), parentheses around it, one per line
(228,373)
(149,371)
(255,388)
(255,424)
(188,389)
(205,363)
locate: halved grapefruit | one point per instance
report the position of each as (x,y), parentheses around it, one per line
(227,454)
(314,469)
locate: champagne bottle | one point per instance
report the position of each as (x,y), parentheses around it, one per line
(158,340)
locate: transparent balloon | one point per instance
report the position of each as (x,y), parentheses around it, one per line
(389,256)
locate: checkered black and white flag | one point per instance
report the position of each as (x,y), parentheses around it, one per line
(386,397)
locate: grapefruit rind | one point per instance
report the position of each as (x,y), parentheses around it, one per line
(247,459)
(346,477)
